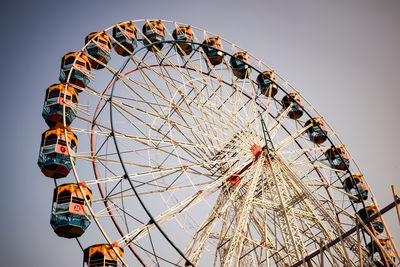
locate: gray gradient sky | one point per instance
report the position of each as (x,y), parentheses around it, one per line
(342,55)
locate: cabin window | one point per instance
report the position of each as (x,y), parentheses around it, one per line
(68,97)
(69,60)
(89,199)
(54,93)
(80,63)
(51,140)
(74,99)
(78,200)
(64,197)
(102,41)
(73,143)
(97,258)
(316,128)
(62,142)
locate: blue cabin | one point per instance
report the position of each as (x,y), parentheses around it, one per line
(153,31)
(337,157)
(98,46)
(69,215)
(317,131)
(54,102)
(184,36)
(367,212)
(212,48)
(79,65)
(240,65)
(293,101)
(267,83)
(126,36)
(375,255)
(54,160)
(356,186)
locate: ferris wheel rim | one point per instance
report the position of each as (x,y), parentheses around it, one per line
(254,68)
(200,45)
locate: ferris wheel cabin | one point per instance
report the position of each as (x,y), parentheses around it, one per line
(213,53)
(79,65)
(185,36)
(267,83)
(373,251)
(102,255)
(293,101)
(337,157)
(54,161)
(126,36)
(215,127)
(356,186)
(317,131)
(240,64)
(99,48)
(153,31)
(69,215)
(53,105)
(364,213)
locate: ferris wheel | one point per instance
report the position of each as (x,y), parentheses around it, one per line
(186,150)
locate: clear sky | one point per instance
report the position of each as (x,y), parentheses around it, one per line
(342,55)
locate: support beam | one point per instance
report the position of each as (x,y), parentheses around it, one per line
(387,229)
(396,198)
(348,233)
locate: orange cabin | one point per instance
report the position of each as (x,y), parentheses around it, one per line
(356,186)
(184,36)
(102,255)
(98,47)
(126,36)
(154,32)
(79,66)
(293,100)
(368,211)
(337,157)
(70,216)
(267,83)
(54,160)
(54,102)
(212,48)
(240,65)
(317,131)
